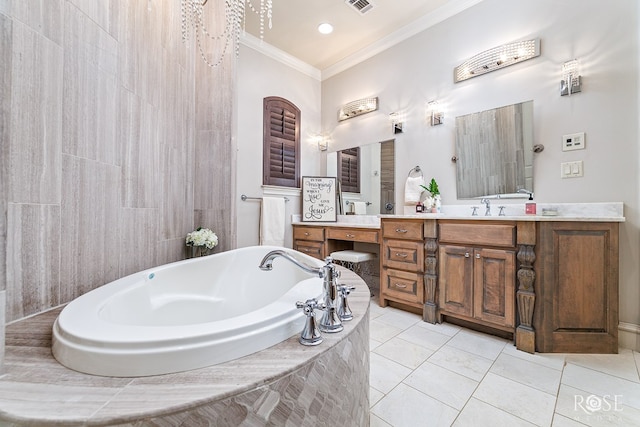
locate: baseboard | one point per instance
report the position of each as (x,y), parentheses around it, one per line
(629,336)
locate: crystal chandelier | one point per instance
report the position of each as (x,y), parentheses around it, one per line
(234,12)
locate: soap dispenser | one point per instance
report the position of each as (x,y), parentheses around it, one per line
(530,206)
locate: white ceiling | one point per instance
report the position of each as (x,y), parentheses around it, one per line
(295,23)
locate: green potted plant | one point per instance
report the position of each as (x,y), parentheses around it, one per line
(433,201)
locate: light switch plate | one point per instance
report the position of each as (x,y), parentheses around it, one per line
(571,169)
(573,141)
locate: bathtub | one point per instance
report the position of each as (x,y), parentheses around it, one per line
(185,315)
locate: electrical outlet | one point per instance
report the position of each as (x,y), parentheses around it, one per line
(571,169)
(573,141)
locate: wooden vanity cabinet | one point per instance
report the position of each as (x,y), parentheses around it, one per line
(477,283)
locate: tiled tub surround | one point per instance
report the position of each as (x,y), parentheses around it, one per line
(287,384)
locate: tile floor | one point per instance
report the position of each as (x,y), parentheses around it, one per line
(444,375)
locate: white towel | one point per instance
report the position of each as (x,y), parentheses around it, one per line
(412,189)
(359,208)
(272,218)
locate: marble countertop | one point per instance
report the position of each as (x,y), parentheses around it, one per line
(582,212)
(36,390)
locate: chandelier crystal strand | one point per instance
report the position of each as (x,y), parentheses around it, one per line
(192,14)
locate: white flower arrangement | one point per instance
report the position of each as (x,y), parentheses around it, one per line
(202,237)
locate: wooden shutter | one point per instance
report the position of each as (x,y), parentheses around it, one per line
(281,155)
(349,169)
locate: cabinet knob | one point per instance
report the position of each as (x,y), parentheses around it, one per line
(400,230)
(398,285)
(466,254)
(478,256)
(401,254)
(306,233)
(351,236)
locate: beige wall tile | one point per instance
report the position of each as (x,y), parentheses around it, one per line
(138,239)
(90,90)
(36,118)
(90,223)
(33,259)
(139,128)
(42,16)
(5,135)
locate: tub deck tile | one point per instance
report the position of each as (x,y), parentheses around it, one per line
(285,382)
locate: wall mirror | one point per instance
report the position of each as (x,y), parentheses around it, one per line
(371,181)
(494,151)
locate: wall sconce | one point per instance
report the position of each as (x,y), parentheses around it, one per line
(323,144)
(357,108)
(435,113)
(496,58)
(322,141)
(571,80)
(397,124)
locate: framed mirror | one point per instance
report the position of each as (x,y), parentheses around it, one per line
(367,175)
(494,151)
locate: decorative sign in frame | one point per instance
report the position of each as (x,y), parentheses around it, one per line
(319,199)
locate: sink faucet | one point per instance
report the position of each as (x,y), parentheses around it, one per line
(330,322)
(487,202)
(524,191)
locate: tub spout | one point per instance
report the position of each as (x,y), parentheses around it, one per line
(267,262)
(330,322)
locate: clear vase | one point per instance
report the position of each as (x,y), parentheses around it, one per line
(198,251)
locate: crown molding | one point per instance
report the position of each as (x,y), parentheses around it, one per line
(272,52)
(444,12)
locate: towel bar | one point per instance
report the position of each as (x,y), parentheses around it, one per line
(244,198)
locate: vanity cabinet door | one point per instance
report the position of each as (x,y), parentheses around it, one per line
(494,286)
(456,280)
(478,283)
(577,288)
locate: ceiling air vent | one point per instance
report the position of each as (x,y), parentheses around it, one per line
(361,6)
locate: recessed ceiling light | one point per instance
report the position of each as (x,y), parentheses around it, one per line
(325,28)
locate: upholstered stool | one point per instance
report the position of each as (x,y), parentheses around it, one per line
(356,261)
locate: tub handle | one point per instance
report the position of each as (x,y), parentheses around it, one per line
(344,311)
(310,334)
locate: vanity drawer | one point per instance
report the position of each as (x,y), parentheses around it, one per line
(403,286)
(403,255)
(314,249)
(503,235)
(410,230)
(308,233)
(370,236)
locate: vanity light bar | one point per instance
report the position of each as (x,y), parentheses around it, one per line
(356,108)
(496,58)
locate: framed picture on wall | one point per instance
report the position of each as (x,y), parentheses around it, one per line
(319,199)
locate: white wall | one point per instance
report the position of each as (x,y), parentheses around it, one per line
(260,76)
(603,35)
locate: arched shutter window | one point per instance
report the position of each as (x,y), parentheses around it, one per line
(349,169)
(281,155)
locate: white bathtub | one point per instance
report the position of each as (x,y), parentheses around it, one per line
(185,315)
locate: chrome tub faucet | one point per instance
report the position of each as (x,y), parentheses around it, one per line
(330,321)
